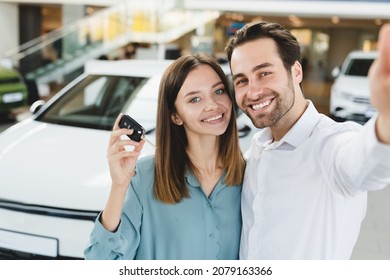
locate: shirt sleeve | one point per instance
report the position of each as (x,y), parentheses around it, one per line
(123,243)
(357,161)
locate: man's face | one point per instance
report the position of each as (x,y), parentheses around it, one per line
(264,89)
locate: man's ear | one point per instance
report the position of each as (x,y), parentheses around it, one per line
(297,71)
(176,119)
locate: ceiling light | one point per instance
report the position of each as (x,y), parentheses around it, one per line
(335,20)
(378,21)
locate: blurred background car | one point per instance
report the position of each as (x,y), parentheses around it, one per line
(54,172)
(350,94)
(13,90)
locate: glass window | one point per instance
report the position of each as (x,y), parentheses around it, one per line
(359,67)
(95,102)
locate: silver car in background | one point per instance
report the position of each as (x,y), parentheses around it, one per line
(350,93)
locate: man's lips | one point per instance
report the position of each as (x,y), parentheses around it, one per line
(260,105)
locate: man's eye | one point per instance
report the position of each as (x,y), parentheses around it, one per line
(194,100)
(264,74)
(240,82)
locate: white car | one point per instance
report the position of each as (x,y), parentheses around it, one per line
(54,172)
(350,93)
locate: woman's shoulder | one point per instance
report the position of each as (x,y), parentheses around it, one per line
(145,164)
(144,175)
(144,169)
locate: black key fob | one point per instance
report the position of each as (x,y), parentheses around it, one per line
(130,123)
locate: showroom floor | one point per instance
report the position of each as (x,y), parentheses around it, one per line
(374,239)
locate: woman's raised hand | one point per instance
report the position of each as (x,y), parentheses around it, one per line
(122,154)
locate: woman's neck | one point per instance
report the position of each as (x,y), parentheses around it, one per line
(204,155)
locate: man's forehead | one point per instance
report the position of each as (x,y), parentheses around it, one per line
(253,53)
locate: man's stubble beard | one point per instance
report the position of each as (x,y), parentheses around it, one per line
(262,121)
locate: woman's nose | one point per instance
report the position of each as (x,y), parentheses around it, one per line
(211,104)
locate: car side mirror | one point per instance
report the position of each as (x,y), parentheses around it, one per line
(34,108)
(243,131)
(335,72)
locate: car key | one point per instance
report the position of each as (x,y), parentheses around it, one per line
(138,130)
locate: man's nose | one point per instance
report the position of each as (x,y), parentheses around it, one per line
(255,89)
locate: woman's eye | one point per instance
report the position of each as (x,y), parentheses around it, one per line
(194,100)
(220,91)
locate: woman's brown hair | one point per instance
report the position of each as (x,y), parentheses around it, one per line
(171,159)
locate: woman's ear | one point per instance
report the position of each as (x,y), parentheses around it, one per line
(176,119)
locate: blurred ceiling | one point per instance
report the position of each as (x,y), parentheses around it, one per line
(326,8)
(302,14)
(293,21)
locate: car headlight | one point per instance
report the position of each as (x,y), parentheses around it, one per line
(345,95)
(342,94)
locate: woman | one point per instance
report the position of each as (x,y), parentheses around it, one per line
(184,202)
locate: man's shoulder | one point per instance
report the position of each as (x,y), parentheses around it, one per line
(326,124)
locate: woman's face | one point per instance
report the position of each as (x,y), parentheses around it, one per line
(202,105)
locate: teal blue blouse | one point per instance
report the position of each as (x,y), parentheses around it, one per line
(198,227)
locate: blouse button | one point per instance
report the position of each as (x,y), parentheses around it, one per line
(211,236)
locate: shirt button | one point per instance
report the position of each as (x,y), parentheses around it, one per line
(111,240)
(211,236)
(209,205)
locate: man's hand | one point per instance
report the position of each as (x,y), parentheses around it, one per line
(379,76)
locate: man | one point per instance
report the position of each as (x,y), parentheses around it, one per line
(307,177)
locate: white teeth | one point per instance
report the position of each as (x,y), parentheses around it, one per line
(213,118)
(261,105)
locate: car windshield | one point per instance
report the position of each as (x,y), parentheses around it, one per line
(358,67)
(94,102)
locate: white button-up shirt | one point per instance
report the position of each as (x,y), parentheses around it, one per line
(304,197)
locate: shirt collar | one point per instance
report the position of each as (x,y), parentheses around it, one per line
(304,127)
(301,130)
(191,179)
